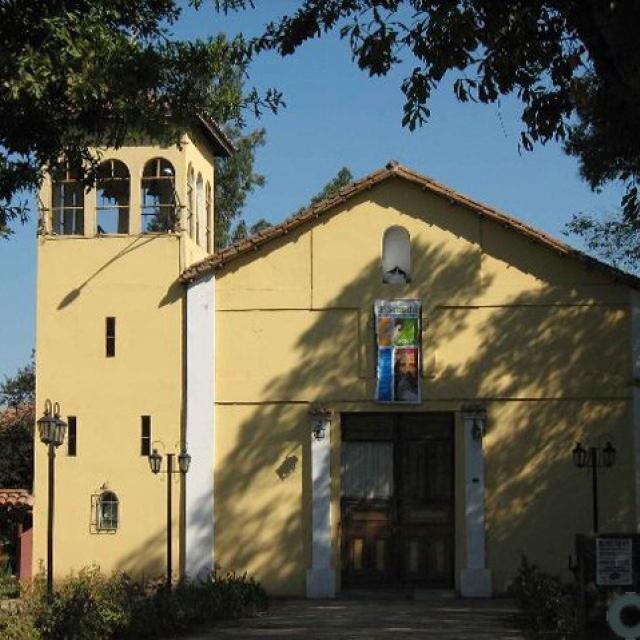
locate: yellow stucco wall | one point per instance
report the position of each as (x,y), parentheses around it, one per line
(81,282)
(134,278)
(543,342)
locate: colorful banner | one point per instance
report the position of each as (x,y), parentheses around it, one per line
(398,335)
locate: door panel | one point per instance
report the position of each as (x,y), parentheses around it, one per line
(397,502)
(367,553)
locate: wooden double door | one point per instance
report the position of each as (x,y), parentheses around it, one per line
(397,524)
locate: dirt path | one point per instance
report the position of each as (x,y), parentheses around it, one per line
(346,619)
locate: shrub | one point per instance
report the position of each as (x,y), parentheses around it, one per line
(9,584)
(190,604)
(92,606)
(84,606)
(15,625)
(548,607)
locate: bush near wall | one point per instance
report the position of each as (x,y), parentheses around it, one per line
(548,608)
(91,606)
(9,584)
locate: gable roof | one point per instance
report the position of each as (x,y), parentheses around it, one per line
(395,170)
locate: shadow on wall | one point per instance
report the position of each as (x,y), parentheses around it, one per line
(548,374)
(149,560)
(137,243)
(263,523)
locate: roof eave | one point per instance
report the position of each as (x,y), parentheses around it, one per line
(220,142)
(222,258)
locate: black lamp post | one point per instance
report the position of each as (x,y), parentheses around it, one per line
(51,429)
(155,463)
(594,458)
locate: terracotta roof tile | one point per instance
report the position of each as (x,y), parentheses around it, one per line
(221,142)
(15,498)
(395,170)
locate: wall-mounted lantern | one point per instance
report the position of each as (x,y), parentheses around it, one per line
(320,422)
(477,415)
(319,428)
(477,431)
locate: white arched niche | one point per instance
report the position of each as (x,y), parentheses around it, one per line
(396,256)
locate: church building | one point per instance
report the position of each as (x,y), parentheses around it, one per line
(383,391)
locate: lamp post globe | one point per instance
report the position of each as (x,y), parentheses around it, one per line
(155,461)
(594,458)
(579,455)
(51,427)
(184,461)
(608,454)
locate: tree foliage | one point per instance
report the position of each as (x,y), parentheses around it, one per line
(260,225)
(242,231)
(19,389)
(79,74)
(17,418)
(573,64)
(342,179)
(235,179)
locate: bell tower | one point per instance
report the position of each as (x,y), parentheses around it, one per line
(110,342)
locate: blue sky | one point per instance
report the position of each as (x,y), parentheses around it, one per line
(337,116)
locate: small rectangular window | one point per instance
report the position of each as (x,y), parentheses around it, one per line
(110,337)
(72,437)
(145,435)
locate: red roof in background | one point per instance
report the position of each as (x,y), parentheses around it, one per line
(16,498)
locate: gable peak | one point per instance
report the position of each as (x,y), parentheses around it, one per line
(395,169)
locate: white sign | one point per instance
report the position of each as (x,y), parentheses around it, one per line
(614,561)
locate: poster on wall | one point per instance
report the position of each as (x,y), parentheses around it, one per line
(398,333)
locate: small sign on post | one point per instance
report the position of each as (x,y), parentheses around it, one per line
(614,561)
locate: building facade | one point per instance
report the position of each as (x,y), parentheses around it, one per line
(264,361)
